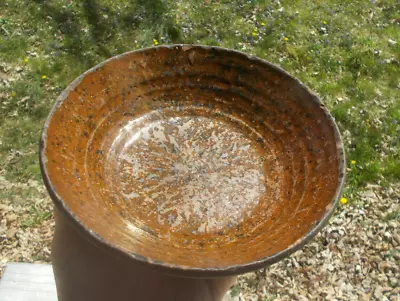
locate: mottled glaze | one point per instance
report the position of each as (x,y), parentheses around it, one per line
(200,160)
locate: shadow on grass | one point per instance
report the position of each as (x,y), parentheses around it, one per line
(103,22)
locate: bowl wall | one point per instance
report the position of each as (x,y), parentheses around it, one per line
(197,159)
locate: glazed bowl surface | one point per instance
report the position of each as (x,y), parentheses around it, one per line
(199,160)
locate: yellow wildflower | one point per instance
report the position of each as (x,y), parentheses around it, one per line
(254,33)
(324,22)
(353,162)
(286,38)
(26,60)
(262,23)
(155,42)
(44,76)
(343,201)
(13,93)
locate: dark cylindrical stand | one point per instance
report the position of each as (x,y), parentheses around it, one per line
(84,272)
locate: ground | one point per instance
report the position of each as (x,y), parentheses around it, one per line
(348,52)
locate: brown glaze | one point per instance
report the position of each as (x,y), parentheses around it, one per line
(198,159)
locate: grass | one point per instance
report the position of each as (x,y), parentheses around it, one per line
(269,298)
(392,216)
(36,218)
(348,52)
(235,291)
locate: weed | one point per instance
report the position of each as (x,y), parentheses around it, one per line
(36,218)
(392,216)
(235,291)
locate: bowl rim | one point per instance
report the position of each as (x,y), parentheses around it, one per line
(180,270)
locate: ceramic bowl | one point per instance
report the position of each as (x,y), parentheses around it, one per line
(199,160)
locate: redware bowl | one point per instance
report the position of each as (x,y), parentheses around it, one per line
(199,160)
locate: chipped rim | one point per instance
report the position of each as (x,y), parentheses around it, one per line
(179,270)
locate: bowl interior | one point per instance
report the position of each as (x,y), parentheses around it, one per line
(193,157)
